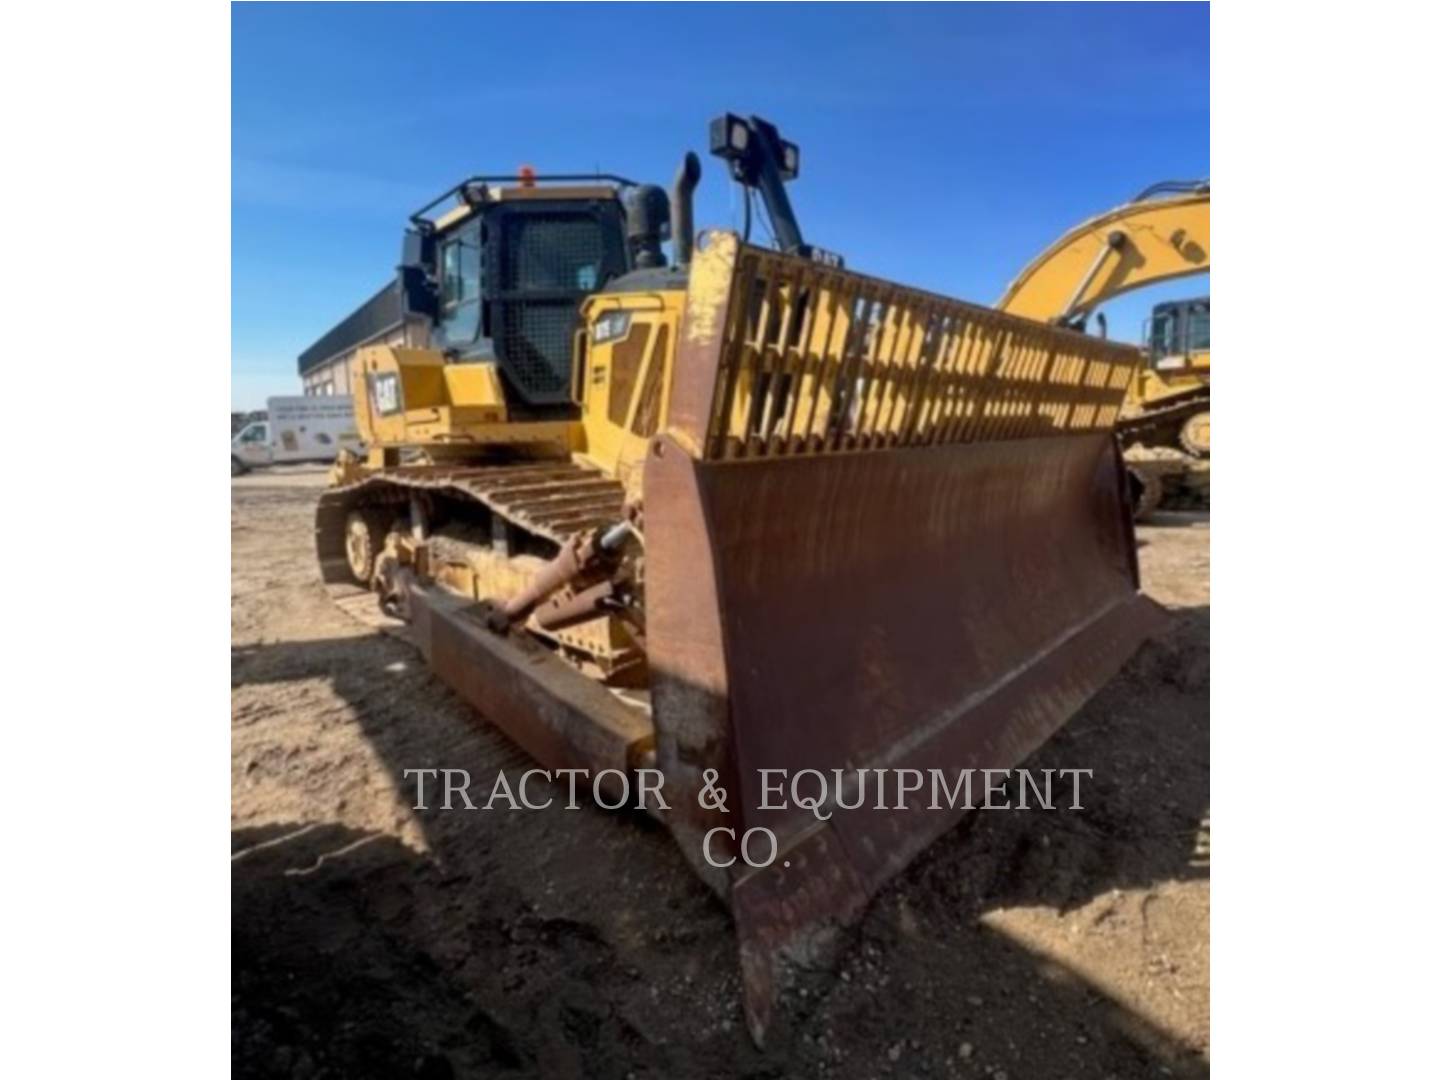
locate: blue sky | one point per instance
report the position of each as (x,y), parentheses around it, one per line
(943,146)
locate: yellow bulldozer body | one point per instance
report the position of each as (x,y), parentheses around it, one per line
(800,519)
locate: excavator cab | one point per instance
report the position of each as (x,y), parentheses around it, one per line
(1177,335)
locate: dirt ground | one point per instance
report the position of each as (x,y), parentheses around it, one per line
(370,940)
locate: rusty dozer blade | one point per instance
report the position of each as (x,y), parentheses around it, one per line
(884,530)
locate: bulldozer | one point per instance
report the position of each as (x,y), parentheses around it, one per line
(1163,234)
(738,509)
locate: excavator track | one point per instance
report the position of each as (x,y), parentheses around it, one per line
(1172,414)
(1166,470)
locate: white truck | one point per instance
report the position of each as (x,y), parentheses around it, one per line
(298,429)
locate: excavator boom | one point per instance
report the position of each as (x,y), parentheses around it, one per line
(1162,235)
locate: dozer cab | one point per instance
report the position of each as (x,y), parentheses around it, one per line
(763,513)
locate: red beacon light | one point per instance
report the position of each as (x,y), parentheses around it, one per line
(527,176)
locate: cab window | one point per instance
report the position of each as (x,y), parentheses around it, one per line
(1199,329)
(253,434)
(460,284)
(1162,334)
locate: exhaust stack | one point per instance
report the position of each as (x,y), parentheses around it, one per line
(682,211)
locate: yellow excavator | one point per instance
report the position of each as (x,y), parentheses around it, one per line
(1163,234)
(738,510)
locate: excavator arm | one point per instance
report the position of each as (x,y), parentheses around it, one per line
(1164,233)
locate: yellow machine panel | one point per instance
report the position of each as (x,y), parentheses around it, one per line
(415,398)
(624,383)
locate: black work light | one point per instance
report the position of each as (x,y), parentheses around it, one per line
(739,141)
